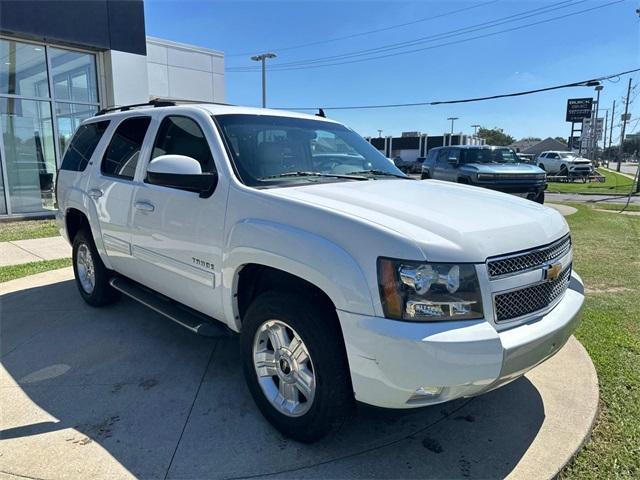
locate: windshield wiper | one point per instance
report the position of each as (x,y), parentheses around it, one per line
(316,174)
(381,173)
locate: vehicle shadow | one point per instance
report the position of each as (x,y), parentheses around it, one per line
(121,391)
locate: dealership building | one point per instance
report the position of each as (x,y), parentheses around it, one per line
(411,145)
(61,62)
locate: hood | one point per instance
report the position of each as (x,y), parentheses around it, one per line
(578,160)
(503,168)
(447,221)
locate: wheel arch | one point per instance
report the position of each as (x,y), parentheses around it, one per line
(295,258)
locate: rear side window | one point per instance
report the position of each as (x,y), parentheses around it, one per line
(122,155)
(82,146)
(179,135)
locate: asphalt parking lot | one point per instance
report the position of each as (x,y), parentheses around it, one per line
(121,392)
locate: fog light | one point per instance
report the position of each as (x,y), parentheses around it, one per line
(426,393)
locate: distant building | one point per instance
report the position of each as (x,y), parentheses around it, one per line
(536,147)
(412,145)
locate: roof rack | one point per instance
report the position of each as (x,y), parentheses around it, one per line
(154,102)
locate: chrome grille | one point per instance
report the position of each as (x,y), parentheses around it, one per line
(530,259)
(531,299)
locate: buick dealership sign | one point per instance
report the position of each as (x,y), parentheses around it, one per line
(578,109)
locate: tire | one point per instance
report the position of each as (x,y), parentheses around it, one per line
(541,167)
(539,198)
(276,317)
(564,171)
(424,176)
(92,277)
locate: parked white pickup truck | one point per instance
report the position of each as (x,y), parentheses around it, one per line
(345,279)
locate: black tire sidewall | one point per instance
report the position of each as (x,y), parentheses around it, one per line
(321,334)
(102,293)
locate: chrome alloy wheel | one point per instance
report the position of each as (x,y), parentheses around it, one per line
(85,268)
(284,368)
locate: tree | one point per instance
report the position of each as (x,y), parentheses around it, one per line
(561,139)
(531,139)
(495,136)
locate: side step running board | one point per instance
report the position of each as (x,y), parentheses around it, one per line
(181,314)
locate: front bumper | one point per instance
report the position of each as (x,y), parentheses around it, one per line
(389,360)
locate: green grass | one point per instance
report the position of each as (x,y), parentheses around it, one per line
(616,207)
(16,271)
(27,229)
(614,183)
(607,256)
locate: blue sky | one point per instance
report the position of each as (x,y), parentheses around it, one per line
(591,44)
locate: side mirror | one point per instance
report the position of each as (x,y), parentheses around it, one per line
(452,161)
(181,172)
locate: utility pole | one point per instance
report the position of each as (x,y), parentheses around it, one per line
(262,58)
(606,123)
(379,133)
(624,125)
(594,126)
(475,130)
(613,116)
(453,119)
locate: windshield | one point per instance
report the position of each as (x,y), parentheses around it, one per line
(272,151)
(566,155)
(489,155)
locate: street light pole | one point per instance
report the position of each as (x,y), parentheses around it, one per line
(475,130)
(262,58)
(379,133)
(453,119)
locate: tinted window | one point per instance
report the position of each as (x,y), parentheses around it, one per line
(489,155)
(179,135)
(82,145)
(121,157)
(454,153)
(442,155)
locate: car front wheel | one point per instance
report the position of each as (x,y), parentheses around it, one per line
(295,365)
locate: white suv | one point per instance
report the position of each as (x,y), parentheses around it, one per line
(345,279)
(564,163)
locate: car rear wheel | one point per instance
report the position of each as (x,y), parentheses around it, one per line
(539,198)
(564,171)
(424,176)
(92,277)
(295,365)
(541,166)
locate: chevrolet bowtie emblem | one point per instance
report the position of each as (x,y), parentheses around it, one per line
(551,272)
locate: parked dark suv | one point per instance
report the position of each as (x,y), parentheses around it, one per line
(497,168)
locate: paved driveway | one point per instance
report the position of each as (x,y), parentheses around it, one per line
(120,391)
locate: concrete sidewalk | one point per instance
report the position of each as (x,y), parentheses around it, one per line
(34,250)
(120,392)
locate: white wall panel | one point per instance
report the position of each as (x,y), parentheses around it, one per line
(158,80)
(190,84)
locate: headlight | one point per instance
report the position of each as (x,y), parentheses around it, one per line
(429,291)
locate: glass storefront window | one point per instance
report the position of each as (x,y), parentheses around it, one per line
(30,161)
(74,75)
(30,151)
(23,69)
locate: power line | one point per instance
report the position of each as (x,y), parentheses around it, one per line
(369,32)
(430,38)
(277,68)
(582,83)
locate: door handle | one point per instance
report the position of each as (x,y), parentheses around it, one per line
(95,193)
(145,206)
